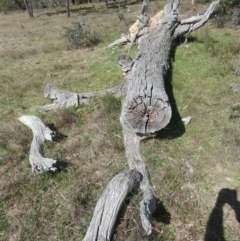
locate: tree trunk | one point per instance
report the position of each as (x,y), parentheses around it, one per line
(67,8)
(145,110)
(28,5)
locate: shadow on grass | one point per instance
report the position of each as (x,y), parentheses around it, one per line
(58,135)
(161,214)
(49,14)
(215,229)
(62,166)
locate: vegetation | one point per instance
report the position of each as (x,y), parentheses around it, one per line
(80,35)
(189,165)
(7,5)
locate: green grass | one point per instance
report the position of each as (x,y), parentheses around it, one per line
(187,171)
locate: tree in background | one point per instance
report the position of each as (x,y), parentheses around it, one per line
(67,8)
(28,5)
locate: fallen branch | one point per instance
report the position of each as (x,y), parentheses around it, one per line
(41,133)
(191,24)
(136,161)
(66,99)
(109,204)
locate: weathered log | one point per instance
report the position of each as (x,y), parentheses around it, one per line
(109,204)
(40,133)
(146,108)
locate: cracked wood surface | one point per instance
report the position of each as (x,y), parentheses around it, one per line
(109,204)
(146,108)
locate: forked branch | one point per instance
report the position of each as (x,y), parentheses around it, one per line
(191,24)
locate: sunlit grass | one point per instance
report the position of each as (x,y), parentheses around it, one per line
(187,171)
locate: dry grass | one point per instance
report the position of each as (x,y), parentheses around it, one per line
(189,165)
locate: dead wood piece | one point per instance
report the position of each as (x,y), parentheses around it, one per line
(109,204)
(136,162)
(146,108)
(142,25)
(191,24)
(40,133)
(123,40)
(66,99)
(61,98)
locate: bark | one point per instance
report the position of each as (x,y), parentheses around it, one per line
(40,133)
(66,99)
(67,8)
(136,162)
(109,204)
(191,24)
(106,3)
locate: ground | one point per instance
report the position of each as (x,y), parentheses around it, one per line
(195,169)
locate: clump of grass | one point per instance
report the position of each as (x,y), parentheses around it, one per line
(235,112)
(79,35)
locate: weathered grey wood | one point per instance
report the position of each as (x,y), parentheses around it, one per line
(61,98)
(125,62)
(146,108)
(123,40)
(191,24)
(136,162)
(139,28)
(40,133)
(109,204)
(66,99)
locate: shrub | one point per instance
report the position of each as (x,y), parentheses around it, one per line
(227,11)
(235,17)
(80,35)
(8,5)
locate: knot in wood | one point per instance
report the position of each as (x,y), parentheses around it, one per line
(125,62)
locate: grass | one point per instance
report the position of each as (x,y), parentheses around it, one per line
(187,170)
